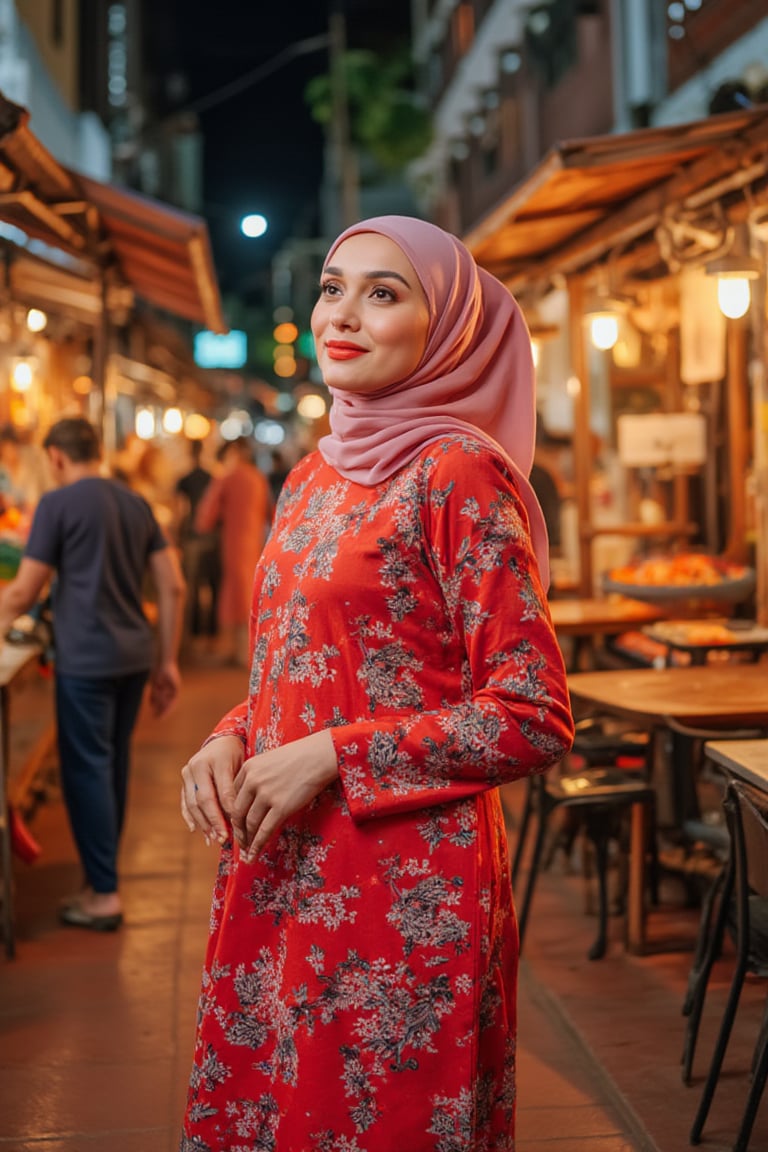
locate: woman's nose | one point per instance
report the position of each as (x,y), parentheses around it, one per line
(344,315)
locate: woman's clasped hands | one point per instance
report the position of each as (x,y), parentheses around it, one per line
(255,796)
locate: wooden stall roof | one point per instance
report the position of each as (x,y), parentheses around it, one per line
(588,196)
(160,252)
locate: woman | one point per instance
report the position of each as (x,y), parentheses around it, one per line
(359,987)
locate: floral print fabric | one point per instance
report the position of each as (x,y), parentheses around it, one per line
(360,980)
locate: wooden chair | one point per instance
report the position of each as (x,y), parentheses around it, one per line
(747,814)
(596,794)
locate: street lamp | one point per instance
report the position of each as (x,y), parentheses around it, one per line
(253,225)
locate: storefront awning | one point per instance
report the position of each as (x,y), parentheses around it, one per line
(587,197)
(161,253)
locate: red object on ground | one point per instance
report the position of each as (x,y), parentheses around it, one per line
(23,842)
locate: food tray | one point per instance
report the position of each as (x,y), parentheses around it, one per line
(729,590)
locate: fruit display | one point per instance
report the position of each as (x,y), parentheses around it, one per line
(681,576)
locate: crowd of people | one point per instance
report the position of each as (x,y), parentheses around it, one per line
(173,481)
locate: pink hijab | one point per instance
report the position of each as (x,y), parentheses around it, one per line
(476,376)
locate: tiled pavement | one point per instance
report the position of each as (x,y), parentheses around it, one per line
(96,1031)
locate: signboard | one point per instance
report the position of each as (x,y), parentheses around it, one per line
(656,439)
(215,351)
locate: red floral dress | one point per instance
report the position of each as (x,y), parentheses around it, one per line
(360,980)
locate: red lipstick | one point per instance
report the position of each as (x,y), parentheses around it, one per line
(343,350)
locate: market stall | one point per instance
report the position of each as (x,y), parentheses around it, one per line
(94,255)
(645,232)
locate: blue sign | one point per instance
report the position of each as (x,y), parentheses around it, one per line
(215,351)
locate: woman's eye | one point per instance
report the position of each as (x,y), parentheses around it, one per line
(383,294)
(328,289)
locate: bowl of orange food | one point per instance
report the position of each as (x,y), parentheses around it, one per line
(705,582)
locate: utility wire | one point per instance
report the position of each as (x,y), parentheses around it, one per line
(235,87)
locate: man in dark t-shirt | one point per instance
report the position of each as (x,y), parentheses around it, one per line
(98,538)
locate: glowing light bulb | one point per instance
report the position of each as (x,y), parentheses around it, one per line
(173,421)
(22,375)
(145,423)
(604,331)
(733,296)
(36,320)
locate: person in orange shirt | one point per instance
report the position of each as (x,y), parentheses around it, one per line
(239,504)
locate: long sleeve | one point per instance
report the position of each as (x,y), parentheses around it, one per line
(513,718)
(234,723)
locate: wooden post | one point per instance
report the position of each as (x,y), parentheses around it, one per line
(759,382)
(342,154)
(582,440)
(737,407)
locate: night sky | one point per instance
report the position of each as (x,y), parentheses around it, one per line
(263,151)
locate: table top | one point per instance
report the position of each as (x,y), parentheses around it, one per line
(584,617)
(747,759)
(14,657)
(719,696)
(709,634)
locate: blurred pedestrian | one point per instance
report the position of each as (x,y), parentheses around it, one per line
(200,559)
(96,538)
(152,478)
(360,980)
(238,503)
(23,477)
(278,472)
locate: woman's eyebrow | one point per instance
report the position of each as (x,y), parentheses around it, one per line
(377,274)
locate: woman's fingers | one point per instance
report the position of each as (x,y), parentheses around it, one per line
(200,804)
(264,829)
(185,813)
(207,786)
(247,827)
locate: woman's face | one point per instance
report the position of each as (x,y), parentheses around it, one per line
(371,322)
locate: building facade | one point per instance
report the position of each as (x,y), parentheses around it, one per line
(507,79)
(534,107)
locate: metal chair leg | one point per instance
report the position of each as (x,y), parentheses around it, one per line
(717,1056)
(759,1076)
(522,833)
(708,948)
(600,841)
(538,848)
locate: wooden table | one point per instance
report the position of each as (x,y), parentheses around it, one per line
(15,659)
(747,759)
(723,696)
(584,619)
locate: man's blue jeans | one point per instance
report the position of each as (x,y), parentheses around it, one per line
(95,720)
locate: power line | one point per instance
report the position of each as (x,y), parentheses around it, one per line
(243,83)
